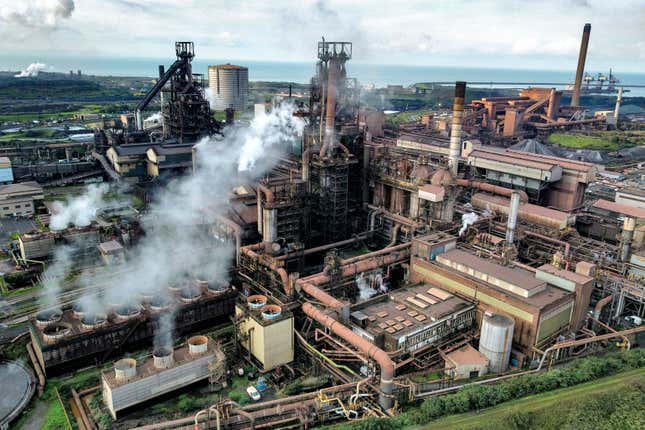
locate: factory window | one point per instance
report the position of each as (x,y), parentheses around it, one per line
(6,208)
(473,374)
(17,206)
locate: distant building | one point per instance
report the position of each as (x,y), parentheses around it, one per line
(6,174)
(19,199)
(229,85)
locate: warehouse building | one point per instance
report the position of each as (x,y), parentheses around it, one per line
(541,310)
(412,318)
(20,199)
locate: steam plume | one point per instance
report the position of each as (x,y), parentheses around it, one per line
(178,244)
(53,275)
(370,284)
(32,70)
(79,211)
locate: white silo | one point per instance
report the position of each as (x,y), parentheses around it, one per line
(229,86)
(495,341)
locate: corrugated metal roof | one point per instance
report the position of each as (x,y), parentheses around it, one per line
(620,208)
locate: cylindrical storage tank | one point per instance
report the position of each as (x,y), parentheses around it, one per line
(495,341)
(125,369)
(229,85)
(163,358)
(256,301)
(197,345)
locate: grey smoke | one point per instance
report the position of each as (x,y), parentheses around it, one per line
(46,14)
(178,244)
(32,70)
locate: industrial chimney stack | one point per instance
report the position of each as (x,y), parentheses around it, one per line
(582,57)
(455,130)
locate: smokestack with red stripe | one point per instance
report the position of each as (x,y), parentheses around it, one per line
(455,130)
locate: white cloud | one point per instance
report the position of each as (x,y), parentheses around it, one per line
(488,33)
(35,13)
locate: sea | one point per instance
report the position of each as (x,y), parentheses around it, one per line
(380,75)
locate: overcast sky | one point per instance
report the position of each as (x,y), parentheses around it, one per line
(542,34)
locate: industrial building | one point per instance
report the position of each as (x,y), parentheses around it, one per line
(371,255)
(131,382)
(229,86)
(65,338)
(128,150)
(20,199)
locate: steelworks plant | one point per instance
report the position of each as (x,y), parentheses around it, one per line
(370,255)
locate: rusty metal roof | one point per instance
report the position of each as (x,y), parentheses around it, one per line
(620,208)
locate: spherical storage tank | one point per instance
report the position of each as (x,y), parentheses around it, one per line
(495,341)
(229,86)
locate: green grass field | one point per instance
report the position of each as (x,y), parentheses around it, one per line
(582,142)
(540,404)
(607,140)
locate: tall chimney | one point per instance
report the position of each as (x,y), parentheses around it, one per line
(330,108)
(455,130)
(582,57)
(619,98)
(512,217)
(629,224)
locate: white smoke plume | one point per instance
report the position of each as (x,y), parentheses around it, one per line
(178,244)
(79,211)
(46,14)
(155,117)
(32,70)
(467,220)
(370,284)
(54,274)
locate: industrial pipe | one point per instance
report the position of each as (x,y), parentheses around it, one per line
(566,245)
(373,254)
(396,217)
(601,304)
(395,234)
(351,267)
(381,357)
(513,210)
(455,130)
(495,189)
(582,57)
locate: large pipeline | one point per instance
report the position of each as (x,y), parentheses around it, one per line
(495,189)
(455,130)
(352,267)
(582,57)
(381,357)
